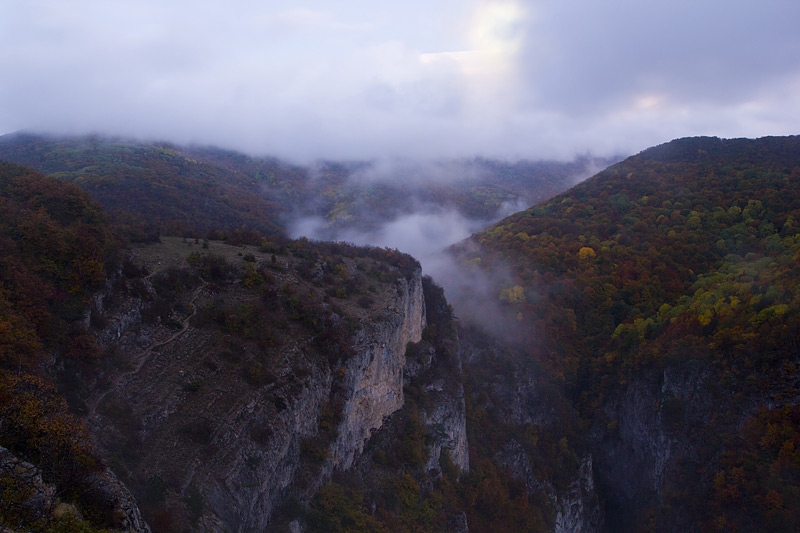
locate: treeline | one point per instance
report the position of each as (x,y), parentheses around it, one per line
(151,189)
(683,255)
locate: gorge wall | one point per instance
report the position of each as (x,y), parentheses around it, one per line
(373,379)
(225,430)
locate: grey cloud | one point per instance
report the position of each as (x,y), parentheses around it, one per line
(689,51)
(423,234)
(350,80)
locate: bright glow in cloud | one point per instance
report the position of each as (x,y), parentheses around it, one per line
(508,78)
(497,27)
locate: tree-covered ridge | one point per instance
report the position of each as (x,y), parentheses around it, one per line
(777,152)
(685,256)
(54,242)
(150,188)
(161,188)
(619,246)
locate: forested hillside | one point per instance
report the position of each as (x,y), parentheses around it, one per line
(635,367)
(681,261)
(128,313)
(266,345)
(152,188)
(54,245)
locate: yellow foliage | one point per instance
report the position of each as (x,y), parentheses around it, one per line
(252,278)
(586,253)
(513,295)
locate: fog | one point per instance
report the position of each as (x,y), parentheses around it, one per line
(402,81)
(423,228)
(416,171)
(424,234)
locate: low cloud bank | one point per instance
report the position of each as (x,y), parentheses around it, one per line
(423,235)
(472,292)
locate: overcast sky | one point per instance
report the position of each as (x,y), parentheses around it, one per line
(357,78)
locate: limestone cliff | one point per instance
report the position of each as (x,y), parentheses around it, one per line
(446,419)
(215,426)
(578,509)
(645,435)
(374,376)
(419,452)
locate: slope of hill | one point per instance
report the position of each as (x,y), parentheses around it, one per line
(661,295)
(220,382)
(197,190)
(160,312)
(150,188)
(54,244)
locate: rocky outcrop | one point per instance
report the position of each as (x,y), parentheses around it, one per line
(446,420)
(373,384)
(111,495)
(199,416)
(28,499)
(513,457)
(246,496)
(644,432)
(244,484)
(636,454)
(374,376)
(578,510)
(32,499)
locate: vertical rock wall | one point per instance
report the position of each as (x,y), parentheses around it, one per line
(374,376)
(240,446)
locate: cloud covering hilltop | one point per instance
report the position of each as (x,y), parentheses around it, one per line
(505,78)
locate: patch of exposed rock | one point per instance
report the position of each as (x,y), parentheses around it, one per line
(30,500)
(214,432)
(374,376)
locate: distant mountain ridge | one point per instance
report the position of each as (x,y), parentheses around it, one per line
(152,188)
(195,190)
(778,151)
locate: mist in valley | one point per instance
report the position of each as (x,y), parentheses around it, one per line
(426,230)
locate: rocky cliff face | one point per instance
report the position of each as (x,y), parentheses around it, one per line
(645,433)
(578,509)
(214,433)
(32,501)
(509,391)
(374,376)
(446,420)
